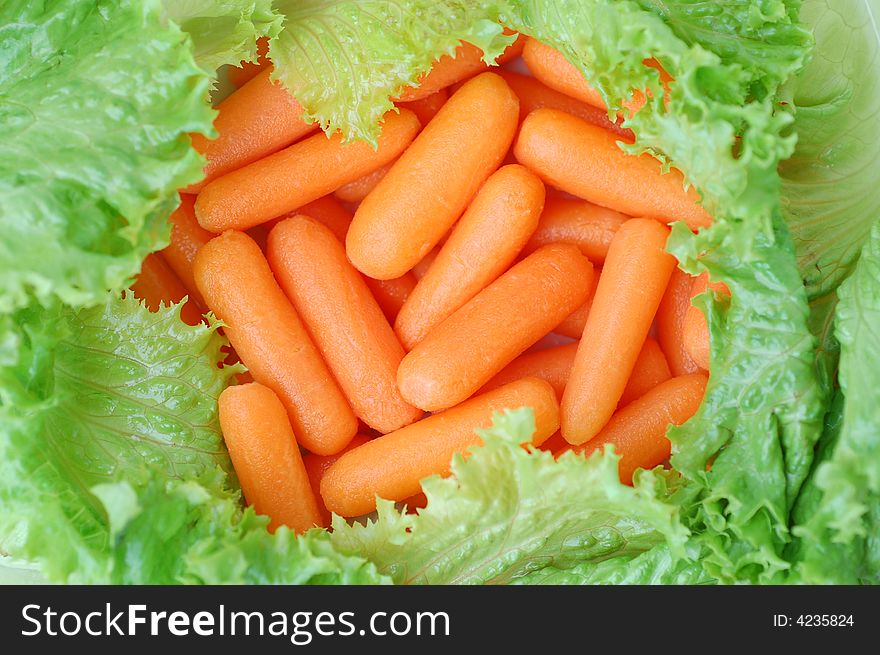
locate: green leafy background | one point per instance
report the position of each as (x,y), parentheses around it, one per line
(112,467)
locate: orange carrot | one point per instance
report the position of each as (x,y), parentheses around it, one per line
(157,284)
(468,62)
(590,227)
(670,320)
(553,69)
(429,187)
(359,189)
(391,294)
(483,244)
(426,108)
(632,282)
(343,318)
(463,353)
(267,334)
(573,324)
(255,121)
(317,465)
(267,461)
(247,70)
(393,466)
(638,431)
(586,161)
(551,364)
(533,94)
(187,236)
(297,175)
(649,370)
(694,328)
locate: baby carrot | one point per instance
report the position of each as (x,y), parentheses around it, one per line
(483,244)
(187,236)
(553,69)
(343,318)
(533,95)
(157,284)
(267,461)
(463,353)
(357,190)
(632,282)
(638,431)
(573,324)
(260,118)
(297,175)
(426,108)
(670,320)
(551,364)
(694,328)
(649,370)
(244,72)
(393,466)
(268,335)
(391,294)
(586,161)
(468,62)
(429,187)
(590,227)
(317,465)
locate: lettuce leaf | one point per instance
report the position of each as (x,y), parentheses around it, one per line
(224,31)
(169,531)
(656,566)
(344,60)
(506,512)
(830,194)
(93,397)
(839,514)
(96,99)
(750,445)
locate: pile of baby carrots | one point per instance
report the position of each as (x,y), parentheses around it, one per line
(496,250)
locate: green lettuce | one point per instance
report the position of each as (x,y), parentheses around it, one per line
(763,410)
(839,513)
(224,31)
(653,567)
(830,194)
(96,99)
(506,512)
(344,61)
(169,531)
(95,396)
(112,466)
